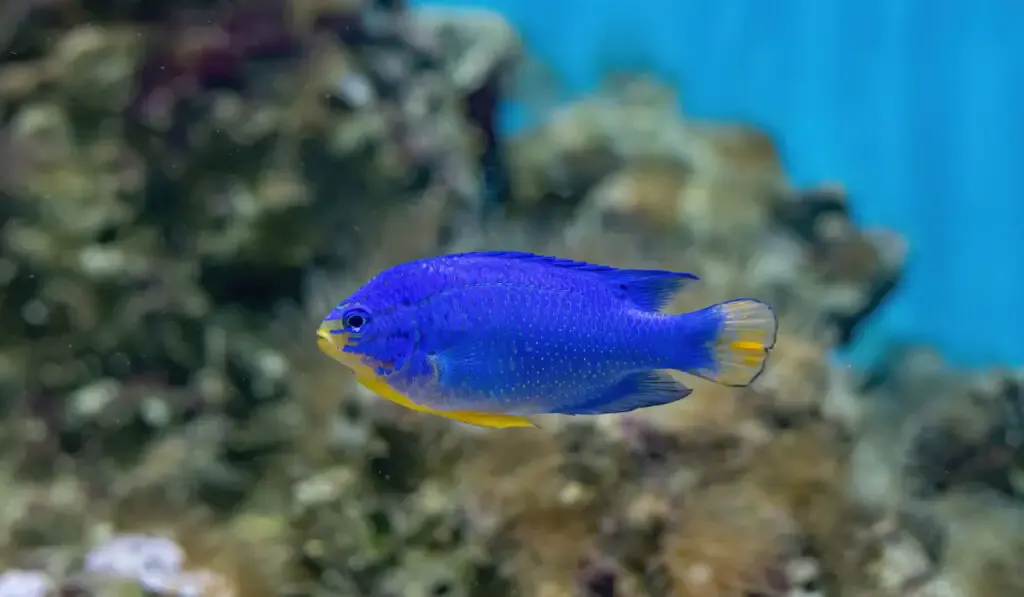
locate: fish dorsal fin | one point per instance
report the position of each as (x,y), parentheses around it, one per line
(648,289)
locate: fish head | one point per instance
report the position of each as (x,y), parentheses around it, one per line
(370,342)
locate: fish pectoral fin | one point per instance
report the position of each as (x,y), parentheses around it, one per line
(636,390)
(382,389)
(465,366)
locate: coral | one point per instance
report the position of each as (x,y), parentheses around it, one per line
(984,544)
(730,541)
(169,193)
(25,583)
(155,563)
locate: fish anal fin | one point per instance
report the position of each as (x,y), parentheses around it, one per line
(497,421)
(634,391)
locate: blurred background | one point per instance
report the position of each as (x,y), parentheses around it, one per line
(187,188)
(911,108)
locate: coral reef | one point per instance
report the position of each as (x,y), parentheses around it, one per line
(186,188)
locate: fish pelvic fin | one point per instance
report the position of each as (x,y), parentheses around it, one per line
(631,392)
(496,421)
(485,419)
(744,331)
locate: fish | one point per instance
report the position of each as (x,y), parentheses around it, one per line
(497,338)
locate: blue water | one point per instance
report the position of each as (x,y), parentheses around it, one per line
(917,106)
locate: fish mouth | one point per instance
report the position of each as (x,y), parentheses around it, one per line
(334,345)
(329,342)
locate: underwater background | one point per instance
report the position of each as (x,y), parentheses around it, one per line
(912,106)
(187,188)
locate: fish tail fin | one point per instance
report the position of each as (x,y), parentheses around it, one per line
(739,335)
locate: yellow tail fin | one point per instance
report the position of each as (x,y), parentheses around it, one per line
(746,333)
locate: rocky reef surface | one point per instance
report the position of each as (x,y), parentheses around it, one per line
(186,189)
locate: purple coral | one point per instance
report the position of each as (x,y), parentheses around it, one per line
(156,563)
(210,51)
(150,560)
(25,583)
(597,579)
(190,584)
(649,445)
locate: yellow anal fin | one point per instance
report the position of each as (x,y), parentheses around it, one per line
(384,390)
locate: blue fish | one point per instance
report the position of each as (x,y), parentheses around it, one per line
(492,338)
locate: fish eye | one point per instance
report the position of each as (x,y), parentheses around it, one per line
(355,320)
